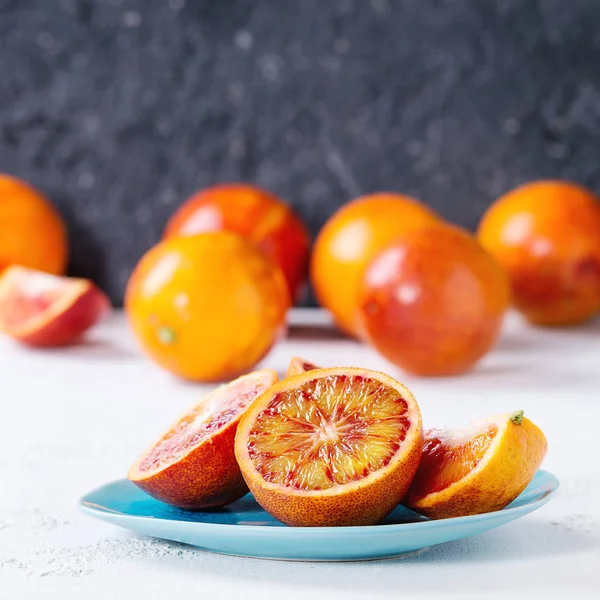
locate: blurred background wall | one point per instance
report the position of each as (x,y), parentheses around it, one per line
(120,109)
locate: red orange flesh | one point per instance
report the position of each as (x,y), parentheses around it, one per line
(331,447)
(299,365)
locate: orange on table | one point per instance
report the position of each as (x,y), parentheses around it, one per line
(546,234)
(207,307)
(348,242)
(253,213)
(330,447)
(32,233)
(479,469)
(434,301)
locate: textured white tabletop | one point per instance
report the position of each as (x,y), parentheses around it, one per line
(73,419)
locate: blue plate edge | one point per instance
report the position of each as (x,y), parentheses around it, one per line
(114,517)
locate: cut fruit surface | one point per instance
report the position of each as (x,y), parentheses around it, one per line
(192,465)
(39,309)
(478,469)
(331,447)
(299,365)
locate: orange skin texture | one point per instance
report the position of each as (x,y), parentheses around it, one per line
(546,235)
(363,502)
(350,240)
(86,305)
(207,476)
(255,214)
(32,233)
(299,365)
(207,307)
(433,303)
(498,479)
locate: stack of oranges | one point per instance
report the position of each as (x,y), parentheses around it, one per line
(210,299)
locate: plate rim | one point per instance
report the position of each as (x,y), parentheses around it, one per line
(100,513)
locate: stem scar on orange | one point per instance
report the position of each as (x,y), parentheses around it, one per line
(350,239)
(255,214)
(32,233)
(207,307)
(546,234)
(330,447)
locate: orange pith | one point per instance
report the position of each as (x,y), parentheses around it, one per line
(331,447)
(328,432)
(446,463)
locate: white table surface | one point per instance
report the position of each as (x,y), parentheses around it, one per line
(74,419)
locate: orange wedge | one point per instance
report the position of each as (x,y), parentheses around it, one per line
(299,365)
(479,469)
(192,465)
(331,447)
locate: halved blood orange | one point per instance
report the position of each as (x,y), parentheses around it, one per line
(331,447)
(192,465)
(39,309)
(478,469)
(299,365)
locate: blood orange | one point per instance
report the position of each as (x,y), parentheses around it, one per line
(299,365)
(331,447)
(192,465)
(479,469)
(254,213)
(39,309)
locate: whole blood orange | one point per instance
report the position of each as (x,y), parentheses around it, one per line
(546,234)
(299,365)
(32,232)
(192,465)
(254,214)
(479,469)
(207,307)
(433,302)
(331,447)
(39,309)
(348,242)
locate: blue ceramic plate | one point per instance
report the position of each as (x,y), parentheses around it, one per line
(245,529)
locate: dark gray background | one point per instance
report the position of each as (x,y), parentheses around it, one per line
(119,109)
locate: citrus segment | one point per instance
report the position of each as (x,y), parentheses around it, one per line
(299,365)
(331,447)
(478,469)
(39,309)
(192,465)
